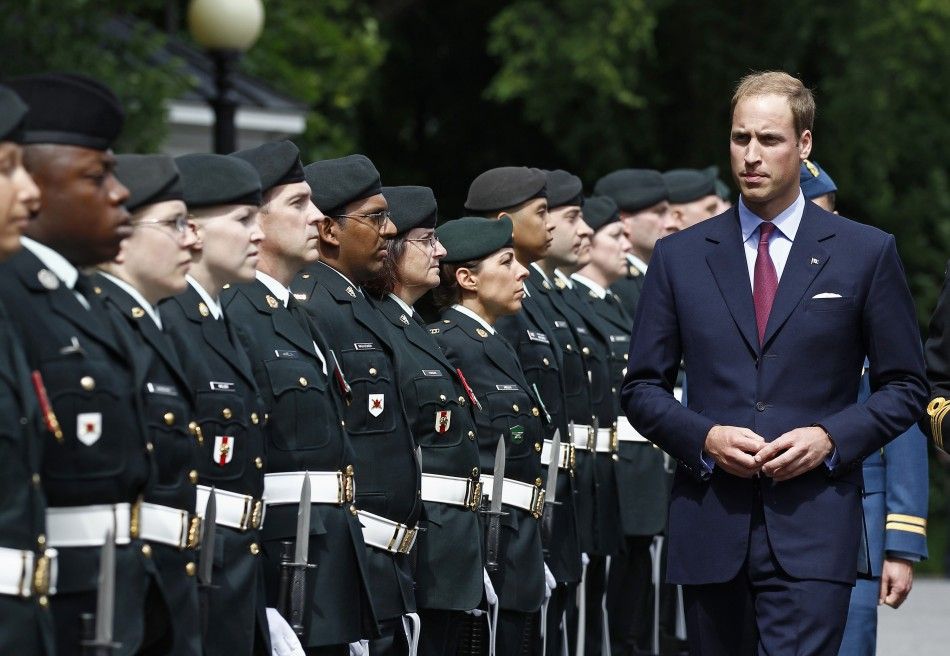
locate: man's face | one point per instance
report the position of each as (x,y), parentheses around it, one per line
(19,198)
(689,214)
(569,249)
(609,251)
(363,237)
(532,231)
(644,227)
(81,214)
(231,239)
(766,153)
(289,221)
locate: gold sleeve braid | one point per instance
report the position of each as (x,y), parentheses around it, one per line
(937,409)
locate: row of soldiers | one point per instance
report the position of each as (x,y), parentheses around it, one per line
(227,430)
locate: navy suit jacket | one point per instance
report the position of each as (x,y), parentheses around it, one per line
(697,305)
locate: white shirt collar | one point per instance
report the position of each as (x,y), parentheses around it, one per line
(541,271)
(136,296)
(787,221)
(337,272)
(405,306)
(53,261)
(275,288)
(640,265)
(564,278)
(594,287)
(213,306)
(469,313)
(524,286)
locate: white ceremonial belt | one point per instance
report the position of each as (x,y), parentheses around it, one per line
(336,487)
(386,534)
(233,510)
(26,573)
(583,437)
(627,433)
(86,526)
(171,526)
(566,459)
(606,442)
(452,490)
(518,494)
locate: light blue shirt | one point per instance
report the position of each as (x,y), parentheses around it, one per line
(780,243)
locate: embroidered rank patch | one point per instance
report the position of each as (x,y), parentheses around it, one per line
(376,403)
(89,427)
(218,386)
(443,419)
(223,450)
(538,337)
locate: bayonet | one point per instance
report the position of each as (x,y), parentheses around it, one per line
(550,491)
(206,559)
(494,513)
(293,573)
(101,643)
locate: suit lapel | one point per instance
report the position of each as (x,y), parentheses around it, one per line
(727,262)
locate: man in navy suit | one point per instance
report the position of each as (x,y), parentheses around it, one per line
(773,306)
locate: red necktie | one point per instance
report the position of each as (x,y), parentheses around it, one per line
(765,280)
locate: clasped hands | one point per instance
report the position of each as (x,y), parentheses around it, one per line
(744,453)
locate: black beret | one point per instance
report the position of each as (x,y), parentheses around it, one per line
(277,163)
(504,187)
(336,182)
(687,185)
(411,207)
(69,109)
(633,189)
(563,188)
(209,180)
(600,211)
(149,178)
(12,112)
(473,237)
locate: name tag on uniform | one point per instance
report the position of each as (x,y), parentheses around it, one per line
(581,330)
(560,324)
(507,388)
(218,386)
(364,346)
(287,355)
(538,337)
(620,338)
(434,373)
(155,388)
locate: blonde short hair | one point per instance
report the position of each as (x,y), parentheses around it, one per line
(800,98)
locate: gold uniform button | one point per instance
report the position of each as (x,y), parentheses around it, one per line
(626,356)
(461,400)
(342,424)
(43,601)
(353,510)
(471,435)
(515,407)
(254,549)
(226,413)
(36,479)
(169,418)
(475,472)
(266,417)
(41,540)
(546,362)
(535,412)
(349,470)
(569,347)
(259,462)
(302,381)
(255,419)
(372,371)
(147,551)
(193,476)
(537,447)
(585,351)
(193,427)
(442,398)
(149,447)
(88,383)
(190,569)
(537,482)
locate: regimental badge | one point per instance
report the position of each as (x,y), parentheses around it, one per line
(481,332)
(137,313)
(404,319)
(517,434)
(271,301)
(546,284)
(443,419)
(349,290)
(203,310)
(223,450)
(89,427)
(559,283)
(48,279)
(634,271)
(377,403)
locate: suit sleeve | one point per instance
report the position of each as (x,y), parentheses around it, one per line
(938,368)
(898,383)
(654,360)
(906,498)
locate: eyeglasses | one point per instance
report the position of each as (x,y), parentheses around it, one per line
(179,223)
(378,219)
(429,241)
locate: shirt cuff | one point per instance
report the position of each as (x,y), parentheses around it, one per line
(832,461)
(904,555)
(708,465)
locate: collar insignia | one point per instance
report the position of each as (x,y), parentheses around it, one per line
(48,279)
(271,302)
(137,312)
(349,290)
(481,332)
(404,319)
(203,309)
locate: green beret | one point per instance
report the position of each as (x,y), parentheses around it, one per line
(411,207)
(69,109)
(277,163)
(150,179)
(504,187)
(12,113)
(334,183)
(687,185)
(473,237)
(209,180)
(563,188)
(600,211)
(633,189)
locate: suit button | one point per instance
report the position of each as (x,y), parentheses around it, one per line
(514,407)
(193,476)
(190,569)
(372,371)
(760,406)
(169,418)
(226,413)
(88,383)
(258,462)
(255,419)
(302,381)
(254,549)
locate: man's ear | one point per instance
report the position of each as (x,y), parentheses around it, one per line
(329,231)
(804,145)
(467,279)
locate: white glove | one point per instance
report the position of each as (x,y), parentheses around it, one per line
(360,648)
(283,640)
(489,589)
(549,582)
(585,559)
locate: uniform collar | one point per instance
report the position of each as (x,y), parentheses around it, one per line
(469,313)
(564,278)
(348,281)
(637,263)
(594,287)
(136,296)
(275,288)
(405,306)
(213,306)
(541,271)
(53,261)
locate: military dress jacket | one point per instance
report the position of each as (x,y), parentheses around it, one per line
(935,422)
(230,416)
(628,288)
(510,410)
(169,413)
(94,445)
(26,626)
(449,563)
(305,433)
(387,469)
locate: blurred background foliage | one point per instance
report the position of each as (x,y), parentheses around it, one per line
(436,92)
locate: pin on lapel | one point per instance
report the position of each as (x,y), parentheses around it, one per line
(404,319)
(349,290)
(814,260)
(271,302)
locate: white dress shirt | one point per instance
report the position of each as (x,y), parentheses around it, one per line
(780,243)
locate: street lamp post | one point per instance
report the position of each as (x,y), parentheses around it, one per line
(227,29)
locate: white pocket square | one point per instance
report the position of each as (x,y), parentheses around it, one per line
(827,295)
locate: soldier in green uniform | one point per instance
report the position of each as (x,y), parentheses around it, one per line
(482,280)
(352,251)
(449,560)
(95,461)
(693,195)
(26,626)
(151,266)
(223,195)
(305,434)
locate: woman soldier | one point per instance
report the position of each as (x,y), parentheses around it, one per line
(449,556)
(482,281)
